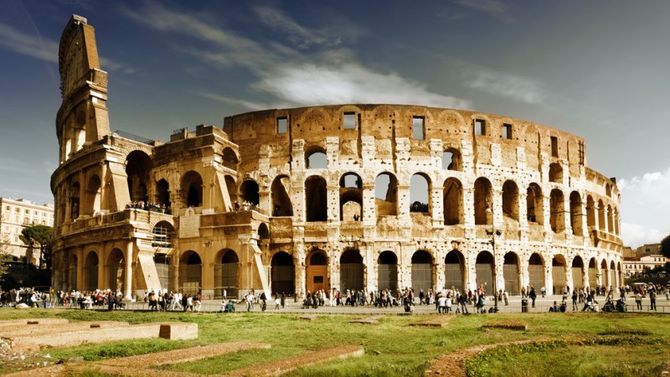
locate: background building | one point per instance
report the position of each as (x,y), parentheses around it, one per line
(324,197)
(16,214)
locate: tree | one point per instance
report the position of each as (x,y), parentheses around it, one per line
(4,257)
(665,246)
(42,235)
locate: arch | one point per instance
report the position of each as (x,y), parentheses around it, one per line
(555,173)
(387,271)
(316,158)
(352,270)
(229,158)
(422,270)
(558,273)
(576,213)
(484,270)
(534,204)
(163,268)
(72,271)
(510,200)
(249,191)
(483,201)
(74,200)
(138,168)
(610,219)
(94,196)
(163,234)
(608,190)
(602,226)
(453,202)
(163,193)
(612,274)
(511,268)
(191,189)
(604,274)
(283,274)
(616,221)
(81,138)
(91,271)
(317,270)
(116,268)
(419,193)
(263,231)
(593,273)
(226,274)
(590,212)
(231,186)
(536,271)
(190,273)
(557,214)
(386,194)
(577,273)
(351,197)
(316,198)
(451,159)
(454,271)
(281,200)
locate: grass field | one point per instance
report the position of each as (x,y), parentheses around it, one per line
(571,344)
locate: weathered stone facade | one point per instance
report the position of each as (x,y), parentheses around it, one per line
(345,196)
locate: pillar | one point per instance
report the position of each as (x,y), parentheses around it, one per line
(128,278)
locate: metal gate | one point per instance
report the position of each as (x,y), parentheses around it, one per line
(536,276)
(190,278)
(511,274)
(225,277)
(422,277)
(387,276)
(453,276)
(351,276)
(282,279)
(558,276)
(577,278)
(485,277)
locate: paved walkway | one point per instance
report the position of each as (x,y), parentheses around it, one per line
(541,306)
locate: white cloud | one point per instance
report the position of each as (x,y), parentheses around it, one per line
(518,88)
(299,35)
(348,83)
(645,205)
(494,8)
(235,101)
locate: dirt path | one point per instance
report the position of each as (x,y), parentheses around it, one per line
(453,364)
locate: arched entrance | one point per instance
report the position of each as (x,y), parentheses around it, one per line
(387,271)
(91,271)
(226,274)
(605,276)
(612,275)
(72,272)
(190,273)
(283,273)
(593,273)
(577,273)
(422,271)
(536,272)
(317,271)
(351,270)
(511,273)
(191,189)
(484,270)
(116,270)
(454,271)
(558,273)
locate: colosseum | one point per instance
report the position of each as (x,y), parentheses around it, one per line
(353,196)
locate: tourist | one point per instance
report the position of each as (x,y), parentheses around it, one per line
(652,299)
(532,296)
(638,300)
(574,300)
(441,303)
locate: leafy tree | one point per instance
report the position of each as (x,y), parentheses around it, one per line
(665,246)
(4,256)
(42,236)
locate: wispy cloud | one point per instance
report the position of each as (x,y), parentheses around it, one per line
(36,47)
(494,8)
(645,205)
(519,88)
(328,75)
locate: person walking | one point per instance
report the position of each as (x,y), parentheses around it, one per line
(652,299)
(574,300)
(638,300)
(532,296)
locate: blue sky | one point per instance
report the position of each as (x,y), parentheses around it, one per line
(598,69)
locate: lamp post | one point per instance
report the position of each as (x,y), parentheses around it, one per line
(493,233)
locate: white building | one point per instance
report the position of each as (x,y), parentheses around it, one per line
(648,262)
(16,214)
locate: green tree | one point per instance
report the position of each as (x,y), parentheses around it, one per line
(665,246)
(42,236)
(4,257)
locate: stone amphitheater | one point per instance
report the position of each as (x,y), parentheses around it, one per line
(354,196)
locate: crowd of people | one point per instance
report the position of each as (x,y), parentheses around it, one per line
(146,206)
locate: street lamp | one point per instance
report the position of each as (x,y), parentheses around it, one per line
(493,233)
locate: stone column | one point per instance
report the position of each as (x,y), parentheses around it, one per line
(103,282)
(403,204)
(523,266)
(439,272)
(80,268)
(568,276)
(548,275)
(567,216)
(128,278)
(369,209)
(299,260)
(471,272)
(499,260)
(333,201)
(437,206)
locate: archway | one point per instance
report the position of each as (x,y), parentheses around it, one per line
(94,196)
(386,195)
(419,193)
(116,270)
(451,159)
(163,234)
(317,271)
(593,273)
(555,173)
(454,271)
(484,270)
(190,273)
(249,191)
(612,275)
(351,271)
(74,200)
(316,198)
(387,271)
(138,167)
(281,201)
(91,271)
(191,189)
(283,274)
(453,202)
(163,193)
(590,212)
(602,226)
(483,200)
(511,273)
(536,271)
(229,158)
(576,213)
(351,197)
(510,200)
(577,273)
(72,272)
(422,271)
(316,158)
(557,214)
(605,276)
(534,204)
(227,274)
(558,273)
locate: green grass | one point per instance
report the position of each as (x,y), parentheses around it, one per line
(392,347)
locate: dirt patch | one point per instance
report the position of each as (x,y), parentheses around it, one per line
(453,364)
(506,325)
(366,321)
(438,321)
